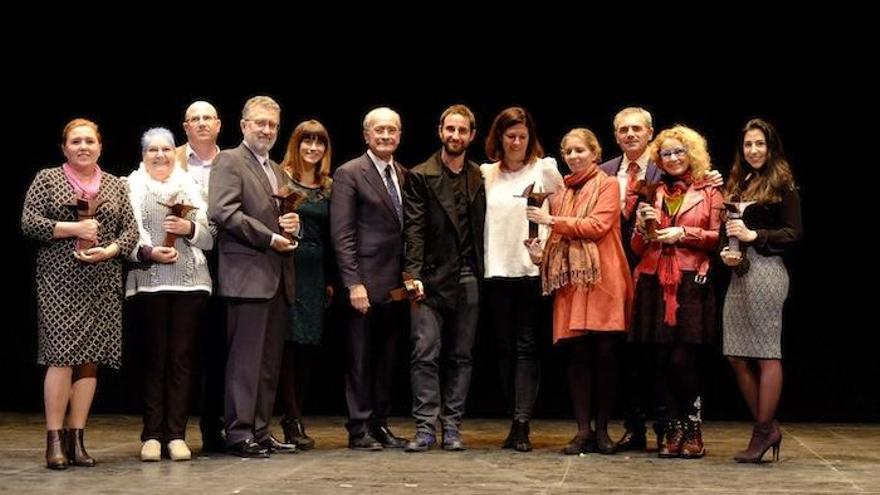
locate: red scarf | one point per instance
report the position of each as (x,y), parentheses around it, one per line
(668,272)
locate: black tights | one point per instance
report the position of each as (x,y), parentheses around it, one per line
(676,366)
(293,382)
(592,359)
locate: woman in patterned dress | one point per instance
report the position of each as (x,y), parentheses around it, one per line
(762,183)
(307,162)
(79,283)
(169,290)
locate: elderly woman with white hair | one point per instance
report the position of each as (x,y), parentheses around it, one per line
(169,287)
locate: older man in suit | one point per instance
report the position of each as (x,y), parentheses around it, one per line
(445,209)
(366,218)
(255,275)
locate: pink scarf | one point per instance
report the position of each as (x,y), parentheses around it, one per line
(85,190)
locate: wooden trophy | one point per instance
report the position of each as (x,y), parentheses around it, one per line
(649,192)
(408,291)
(85,209)
(735,208)
(179,210)
(290,199)
(533,199)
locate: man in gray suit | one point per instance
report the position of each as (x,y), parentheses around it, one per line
(445,206)
(255,274)
(366,218)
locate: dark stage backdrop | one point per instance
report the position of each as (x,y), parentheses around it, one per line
(830,364)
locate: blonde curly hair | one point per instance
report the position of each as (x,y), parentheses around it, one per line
(697,149)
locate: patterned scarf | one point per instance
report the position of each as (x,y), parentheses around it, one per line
(84,190)
(572,260)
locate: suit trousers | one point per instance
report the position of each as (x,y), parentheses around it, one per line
(431,332)
(371,344)
(256,342)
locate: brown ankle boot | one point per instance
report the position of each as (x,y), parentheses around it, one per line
(55,458)
(672,440)
(692,447)
(76,451)
(768,435)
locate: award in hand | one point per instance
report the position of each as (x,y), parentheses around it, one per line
(408,291)
(86,209)
(649,192)
(179,210)
(290,199)
(533,199)
(735,209)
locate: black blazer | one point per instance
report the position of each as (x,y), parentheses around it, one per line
(365,230)
(433,241)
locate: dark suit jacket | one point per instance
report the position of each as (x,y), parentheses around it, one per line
(240,203)
(652,175)
(365,230)
(433,240)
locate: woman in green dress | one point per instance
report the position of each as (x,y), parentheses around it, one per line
(307,162)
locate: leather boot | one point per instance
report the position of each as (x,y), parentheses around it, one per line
(768,435)
(522,442)
(55,456)
(692,447)
(672,439)
(76,451)
(295,433)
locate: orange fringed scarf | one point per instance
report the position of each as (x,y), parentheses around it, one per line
(573,261)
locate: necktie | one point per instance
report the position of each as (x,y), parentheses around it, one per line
(632,196)
(392,191)
(270,174)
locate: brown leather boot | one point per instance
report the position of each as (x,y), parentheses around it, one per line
(768,435)
(692,447)
(76,451)
(672,440)
(55,458)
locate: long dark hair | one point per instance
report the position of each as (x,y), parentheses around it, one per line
(767,184)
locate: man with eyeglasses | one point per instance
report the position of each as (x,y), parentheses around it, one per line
(366,219)
(202,126)
(255,276)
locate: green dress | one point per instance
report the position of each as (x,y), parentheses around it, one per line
(310,259)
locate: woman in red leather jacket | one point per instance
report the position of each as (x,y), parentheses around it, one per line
(674,305)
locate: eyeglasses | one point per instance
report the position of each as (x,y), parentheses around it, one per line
(668,154)
(195,119)
(264,124)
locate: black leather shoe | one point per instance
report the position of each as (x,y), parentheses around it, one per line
(632,440)
(384,436)
(364,441)
(510,441)
(421,442)
(295,433)
(272,444)
(247,448)
(582,443)
(452,440)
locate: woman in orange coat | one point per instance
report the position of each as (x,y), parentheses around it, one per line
(584,265)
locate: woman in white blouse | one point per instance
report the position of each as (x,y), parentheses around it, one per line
(512,287)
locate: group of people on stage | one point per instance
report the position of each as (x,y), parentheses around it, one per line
(229,260)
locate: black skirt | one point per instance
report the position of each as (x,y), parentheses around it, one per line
(695,315)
